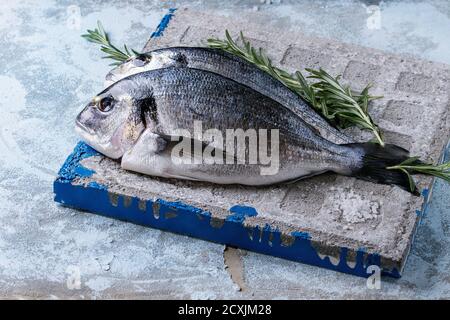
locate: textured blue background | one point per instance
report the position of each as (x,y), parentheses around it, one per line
(48,72)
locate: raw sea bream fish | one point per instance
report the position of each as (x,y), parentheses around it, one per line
(232,67)
(136,119)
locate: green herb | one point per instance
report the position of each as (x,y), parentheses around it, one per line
(335,102)
(414,166)
(99,36)
(341,104)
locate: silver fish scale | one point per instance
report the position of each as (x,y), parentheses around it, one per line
(184,95)
(246,73)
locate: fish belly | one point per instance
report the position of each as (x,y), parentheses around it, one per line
(150,157)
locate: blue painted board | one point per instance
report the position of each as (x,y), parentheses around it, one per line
(184,219)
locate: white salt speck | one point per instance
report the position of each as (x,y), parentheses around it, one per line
(353,208)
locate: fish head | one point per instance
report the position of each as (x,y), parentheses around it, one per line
(112,121)
(145,62)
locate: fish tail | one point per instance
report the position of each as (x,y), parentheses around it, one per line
(374,163)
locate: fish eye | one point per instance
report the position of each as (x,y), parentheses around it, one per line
(140,60)
(105,104)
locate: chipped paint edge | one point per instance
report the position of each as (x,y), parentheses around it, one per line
(163,24)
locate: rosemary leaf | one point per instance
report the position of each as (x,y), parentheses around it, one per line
(339,104)
(415,166)
(99,36)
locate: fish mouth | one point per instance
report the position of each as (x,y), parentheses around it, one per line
(82,129)
(91,138)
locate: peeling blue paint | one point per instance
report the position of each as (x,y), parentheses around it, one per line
(241,212)
(70,169)
(423,211)
(269,228)
(163,24)
(97,186)
(426,193)
(301,234)
(83,172)
(176,205)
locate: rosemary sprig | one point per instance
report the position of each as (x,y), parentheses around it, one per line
(341,103)
(335,102)
(414,166)
(99,36)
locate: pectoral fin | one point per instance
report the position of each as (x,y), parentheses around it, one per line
(144,156)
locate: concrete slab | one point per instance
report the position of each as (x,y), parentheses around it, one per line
(339,223)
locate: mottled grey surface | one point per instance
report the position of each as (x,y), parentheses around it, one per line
(335,211)
(48,72)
